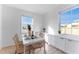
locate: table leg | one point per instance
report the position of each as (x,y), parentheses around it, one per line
(29,52)
(44,48)
(24,49)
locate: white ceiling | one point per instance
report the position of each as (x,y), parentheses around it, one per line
(40,8)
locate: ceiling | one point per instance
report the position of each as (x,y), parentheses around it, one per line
(41,8)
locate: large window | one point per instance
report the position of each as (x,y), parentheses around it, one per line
(25,21)
(69,21)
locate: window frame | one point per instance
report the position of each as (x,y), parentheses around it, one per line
(71,23)
(21,22)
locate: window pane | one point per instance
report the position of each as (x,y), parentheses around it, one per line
(70,21)
(75,28)
(25,21)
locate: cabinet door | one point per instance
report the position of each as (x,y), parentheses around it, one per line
(72,46)
(51,39)
(60,43)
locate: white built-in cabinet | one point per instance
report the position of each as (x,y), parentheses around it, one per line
(56,41)
(72,46)
(51,39)
(60,43)
(65,44)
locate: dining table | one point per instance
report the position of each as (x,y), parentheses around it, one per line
(30,41)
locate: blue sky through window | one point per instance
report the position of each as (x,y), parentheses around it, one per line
(26,20)
(69,16)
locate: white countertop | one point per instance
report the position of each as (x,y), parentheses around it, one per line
(67,36)
(70,37)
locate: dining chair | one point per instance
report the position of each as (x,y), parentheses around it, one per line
(36,34)
(41,35)
(37,46)
(19,47)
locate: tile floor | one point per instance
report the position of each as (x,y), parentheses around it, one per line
(49,50)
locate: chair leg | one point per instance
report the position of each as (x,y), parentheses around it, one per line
(33,51)
(40,48)
(29,51)
(15,52)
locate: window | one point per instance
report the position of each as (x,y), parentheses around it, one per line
(25,21)
(69,21)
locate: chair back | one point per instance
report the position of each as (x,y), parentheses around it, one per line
(16,38)
(41,35)
(36,34)
(18,44)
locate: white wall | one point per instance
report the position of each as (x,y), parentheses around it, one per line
(52,23)
(52,19)
(37,23)
(11,23)
(0,25)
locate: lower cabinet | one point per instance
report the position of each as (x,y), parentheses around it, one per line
(57,42)
(67,45)
(51,39)
(72,46)
(60,43)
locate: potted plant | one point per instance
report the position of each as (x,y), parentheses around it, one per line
(59,32)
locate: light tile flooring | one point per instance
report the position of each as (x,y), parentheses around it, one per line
(49,50)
